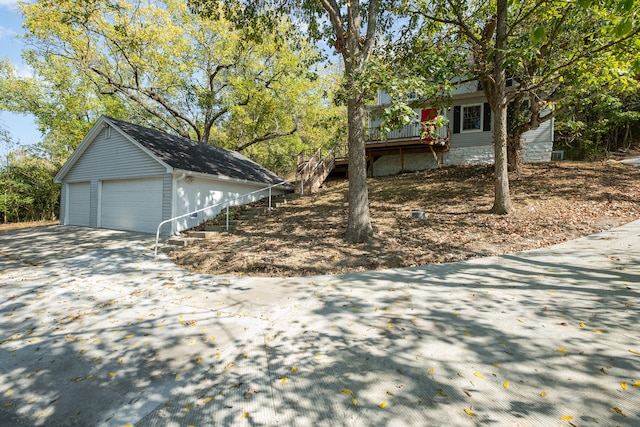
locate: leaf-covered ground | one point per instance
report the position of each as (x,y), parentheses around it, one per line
(554,202)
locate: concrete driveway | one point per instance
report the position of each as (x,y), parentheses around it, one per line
(94,331)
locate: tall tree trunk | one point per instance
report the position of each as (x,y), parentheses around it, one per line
(355,52)
(359,225)
(502,201)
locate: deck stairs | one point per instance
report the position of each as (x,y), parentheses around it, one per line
(314,171)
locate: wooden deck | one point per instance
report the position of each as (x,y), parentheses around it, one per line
(401,145)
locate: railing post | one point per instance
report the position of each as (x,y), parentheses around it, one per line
(227,216)
(269,198)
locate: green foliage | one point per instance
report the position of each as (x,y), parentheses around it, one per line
(28,192)
(158,64)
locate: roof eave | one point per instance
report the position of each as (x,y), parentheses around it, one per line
(229,179)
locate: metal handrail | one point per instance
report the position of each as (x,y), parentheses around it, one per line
(226,202)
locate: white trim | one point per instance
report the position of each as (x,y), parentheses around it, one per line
(462,129)
(99,207)
(223,178)
(66,204)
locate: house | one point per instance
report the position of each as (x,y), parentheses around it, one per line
(466,139)
(127,177)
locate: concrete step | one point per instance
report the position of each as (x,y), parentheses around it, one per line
(218,228)
(232,224)
(202,234)
(182,241)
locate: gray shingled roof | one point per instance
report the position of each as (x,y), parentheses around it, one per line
(188,155)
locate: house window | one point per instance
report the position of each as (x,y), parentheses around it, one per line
(472,118)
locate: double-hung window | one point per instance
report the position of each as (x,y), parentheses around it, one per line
(472,118)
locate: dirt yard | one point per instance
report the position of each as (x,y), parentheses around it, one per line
(553,202)
(24,225)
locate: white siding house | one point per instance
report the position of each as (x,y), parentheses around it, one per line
(470,124)
(128,177)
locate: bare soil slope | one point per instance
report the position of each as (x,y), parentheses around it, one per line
(553,202)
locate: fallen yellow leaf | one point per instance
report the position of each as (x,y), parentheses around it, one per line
(121,360)
(431,371)
(294,369)
(111,374)
(354,401)
(347,391)
(582,324)
(634,352)
(479,375)
(520,320)
(130,336)
(178,376)
(618,411)
(543,394)
(562,350)
(636,384)
(497,365)
(198,360)
(442,393)
(468,412)
(623,385)
(245,415)
(389,326)
(505,384)
(598,331)
(566,417)
(207,400)
(382,405)
(467,334)
(188,407)
(284,380)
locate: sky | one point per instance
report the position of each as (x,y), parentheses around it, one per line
(21,127)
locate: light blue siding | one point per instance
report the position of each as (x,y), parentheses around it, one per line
(112,158)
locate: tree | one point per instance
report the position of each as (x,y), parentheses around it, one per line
(538,43)
(160,65)
(353,28)
(29,193)
(604,113)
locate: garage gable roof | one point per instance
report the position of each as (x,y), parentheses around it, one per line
(185,154)
(181,154)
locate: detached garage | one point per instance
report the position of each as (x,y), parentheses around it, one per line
(128,177)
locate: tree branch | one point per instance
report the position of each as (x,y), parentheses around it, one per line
(267,136)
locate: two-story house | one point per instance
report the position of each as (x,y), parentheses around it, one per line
(467,138)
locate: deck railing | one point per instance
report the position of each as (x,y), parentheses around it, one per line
(409,132)
(226,203)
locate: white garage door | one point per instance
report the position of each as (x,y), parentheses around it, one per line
(79,204)
(134,205)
